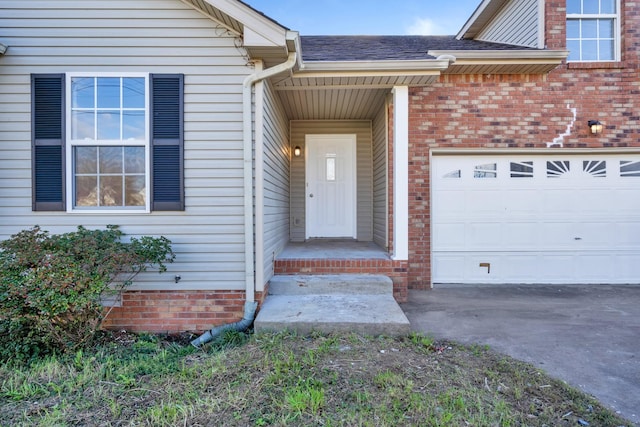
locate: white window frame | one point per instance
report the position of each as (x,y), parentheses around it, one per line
(616,29)
(70,144)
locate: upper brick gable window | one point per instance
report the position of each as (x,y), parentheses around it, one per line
(593,30)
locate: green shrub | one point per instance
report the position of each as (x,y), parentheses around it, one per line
(51,286)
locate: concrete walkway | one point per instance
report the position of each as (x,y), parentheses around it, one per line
(587,335)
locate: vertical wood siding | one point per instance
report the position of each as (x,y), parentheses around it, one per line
(380,178)
(516,23)
(362,129)
(276,179)
(155,36)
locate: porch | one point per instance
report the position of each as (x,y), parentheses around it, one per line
(336,285)
(342,257)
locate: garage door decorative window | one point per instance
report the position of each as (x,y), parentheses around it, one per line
(595,168)
(629,168)
(521,169)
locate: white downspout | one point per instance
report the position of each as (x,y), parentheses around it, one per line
(248,168)
(250,304)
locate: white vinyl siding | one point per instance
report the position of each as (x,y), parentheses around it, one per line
(380,173)
(517,24)
(144,36)
(362,129)
(276,180)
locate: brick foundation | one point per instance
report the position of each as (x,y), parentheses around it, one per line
(177,311)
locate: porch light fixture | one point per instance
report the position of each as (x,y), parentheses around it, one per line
(595,126)
(297,151)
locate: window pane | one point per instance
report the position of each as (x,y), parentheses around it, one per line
(108,92)
(86,191)
(86,160)
(573,6)
(134,191)
(573,28)
(606,28)
(133,92)
(133,125)
(486,171)
(82,125)
(574,50)
(134,160)
(590,6)
(331,168)
(606,50)
(111,191)
(110,160)
(589,50)
(108,124)
(589,28)
(521,169)
(82,94)
(629,168)
(607,6)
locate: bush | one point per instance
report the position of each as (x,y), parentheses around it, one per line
(52,286)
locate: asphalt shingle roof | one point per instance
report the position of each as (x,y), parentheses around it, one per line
(388,48)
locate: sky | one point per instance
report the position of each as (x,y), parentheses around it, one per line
(369,17)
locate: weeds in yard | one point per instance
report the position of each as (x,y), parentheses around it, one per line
(284,379)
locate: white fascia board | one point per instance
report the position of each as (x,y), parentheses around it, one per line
(261,28)
(480,17)
(503,55)
(473,19)
(428,66)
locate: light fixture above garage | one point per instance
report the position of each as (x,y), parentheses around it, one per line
(595,126)
(297,151)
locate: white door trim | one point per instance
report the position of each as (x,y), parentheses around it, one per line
(351,141)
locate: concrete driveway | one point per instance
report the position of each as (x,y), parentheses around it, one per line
(586,335)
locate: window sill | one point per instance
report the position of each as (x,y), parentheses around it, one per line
(595,65)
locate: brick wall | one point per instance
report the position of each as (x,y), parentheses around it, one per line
(173,311)
(520,112)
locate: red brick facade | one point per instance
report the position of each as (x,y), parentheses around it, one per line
(520,112)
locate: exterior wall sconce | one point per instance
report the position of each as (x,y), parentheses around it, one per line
(297,151)
(595,126)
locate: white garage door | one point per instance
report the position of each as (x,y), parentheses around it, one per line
(536,219)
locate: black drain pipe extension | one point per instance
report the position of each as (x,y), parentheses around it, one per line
(240,326)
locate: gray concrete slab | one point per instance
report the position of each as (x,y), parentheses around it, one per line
(588,336)
(333,249)
(361,303)
(366,314)
(328,284)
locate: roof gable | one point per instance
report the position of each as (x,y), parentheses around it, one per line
(263,37)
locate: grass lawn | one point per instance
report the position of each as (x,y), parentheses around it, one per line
(284,379)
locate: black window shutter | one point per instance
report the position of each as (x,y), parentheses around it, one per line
(48,142)
(167,142)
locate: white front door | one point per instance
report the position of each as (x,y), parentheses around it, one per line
(330,186)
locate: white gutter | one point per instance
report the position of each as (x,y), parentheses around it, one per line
(248,169)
